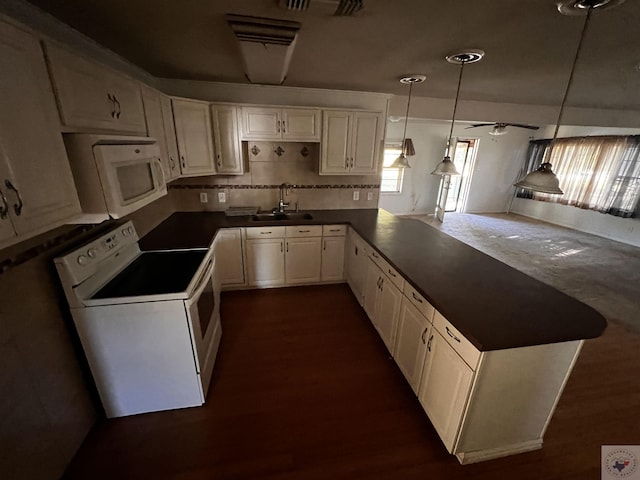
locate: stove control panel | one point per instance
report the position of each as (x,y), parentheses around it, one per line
(82,262)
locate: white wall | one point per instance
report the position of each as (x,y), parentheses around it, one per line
(498,161)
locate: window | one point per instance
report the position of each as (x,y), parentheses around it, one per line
(597,173)
(391,177)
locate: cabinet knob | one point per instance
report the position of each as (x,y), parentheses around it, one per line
(423,334)
(429,343)
(452,335)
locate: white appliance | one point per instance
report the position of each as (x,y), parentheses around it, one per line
(114,175)
(149,322)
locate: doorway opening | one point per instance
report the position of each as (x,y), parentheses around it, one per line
(463,158)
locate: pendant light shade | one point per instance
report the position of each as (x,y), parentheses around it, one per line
(543,179)
(407,143)
(446,166)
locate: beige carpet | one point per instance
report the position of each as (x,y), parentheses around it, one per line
(602,273)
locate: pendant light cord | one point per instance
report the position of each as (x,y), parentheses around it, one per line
(455,107)
(570,82)
(406,119)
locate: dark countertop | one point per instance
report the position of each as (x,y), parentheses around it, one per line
(494,305)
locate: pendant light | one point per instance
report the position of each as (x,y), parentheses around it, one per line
(407,143)
(446,166)
(543,179)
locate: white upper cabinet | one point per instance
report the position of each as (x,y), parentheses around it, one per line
(37,191)
(92,97)
(170,137)
(291,124)
(194,135)
(350,143)
(227,140)
(155,125)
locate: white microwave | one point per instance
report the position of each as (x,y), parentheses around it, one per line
(114,175)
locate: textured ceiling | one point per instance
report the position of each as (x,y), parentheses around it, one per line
(529,46)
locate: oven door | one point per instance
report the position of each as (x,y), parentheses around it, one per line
(131,176)
(203,312)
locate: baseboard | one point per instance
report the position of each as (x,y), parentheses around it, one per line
(466,458)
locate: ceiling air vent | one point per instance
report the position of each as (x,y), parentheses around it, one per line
(340,8)
(266,45)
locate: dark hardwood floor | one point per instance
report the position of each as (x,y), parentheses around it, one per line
(303,388)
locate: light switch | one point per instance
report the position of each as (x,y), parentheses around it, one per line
(203,197)
(369,195)
(222,198)
(356,195)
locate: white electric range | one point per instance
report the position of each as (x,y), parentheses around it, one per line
(149,322)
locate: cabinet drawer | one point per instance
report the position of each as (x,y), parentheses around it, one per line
(387,269)
(460,344)
(334,230)
(418,301)
(265,232)
(304,231)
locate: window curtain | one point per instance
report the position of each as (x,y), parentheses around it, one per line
(597,173)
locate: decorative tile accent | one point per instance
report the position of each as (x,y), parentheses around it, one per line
(305,152)
(279,151)
(255,150)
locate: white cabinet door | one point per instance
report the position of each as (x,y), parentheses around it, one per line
(332,259)
(364,143)
(227,140)
(35,177)
(91,96)
(155,125)
(335,147)
(170,137)
(265,262)
(386,320)
(350,143)
(229,263)
(302,260)
(195,142)
(301,125)
(411,343)
(357,262)
(261,123)
(444,389)
(372,290)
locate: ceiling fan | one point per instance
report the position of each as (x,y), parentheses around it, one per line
(501,128)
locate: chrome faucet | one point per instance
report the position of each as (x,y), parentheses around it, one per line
(284,190)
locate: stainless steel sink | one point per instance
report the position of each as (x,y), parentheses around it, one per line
(290,216)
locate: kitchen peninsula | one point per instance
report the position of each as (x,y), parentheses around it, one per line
(515,338)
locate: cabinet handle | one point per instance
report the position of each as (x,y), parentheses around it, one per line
(284,127)
(346,162)
(423,334)
(381,283)
(172,163)
(391,273)
(265,233)
(351,162)
(355,251)
(413,294)
(287,247)
(184,164)
(451,334)
(304,231)
(278,126)
(373,254)
(429,343)
(17,207)
(4,209)
(113,105)
(118,107)
(378,283)
(324,247)
(334,230)
(281,247)
(219,163)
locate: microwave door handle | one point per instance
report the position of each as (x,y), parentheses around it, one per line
(204,280)
(158,164)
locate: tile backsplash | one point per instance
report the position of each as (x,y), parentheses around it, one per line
(267,166)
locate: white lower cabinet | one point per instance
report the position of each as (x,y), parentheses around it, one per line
(228,248)
(302,260)
(382,301)
(357,261)
(332,259)
(265,262)
(444,389)
(414,331)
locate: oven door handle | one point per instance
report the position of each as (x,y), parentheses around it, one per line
(203,281)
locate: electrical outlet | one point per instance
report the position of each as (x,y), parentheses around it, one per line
(356,195)
(222,197)
(369,196)
(203,197)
